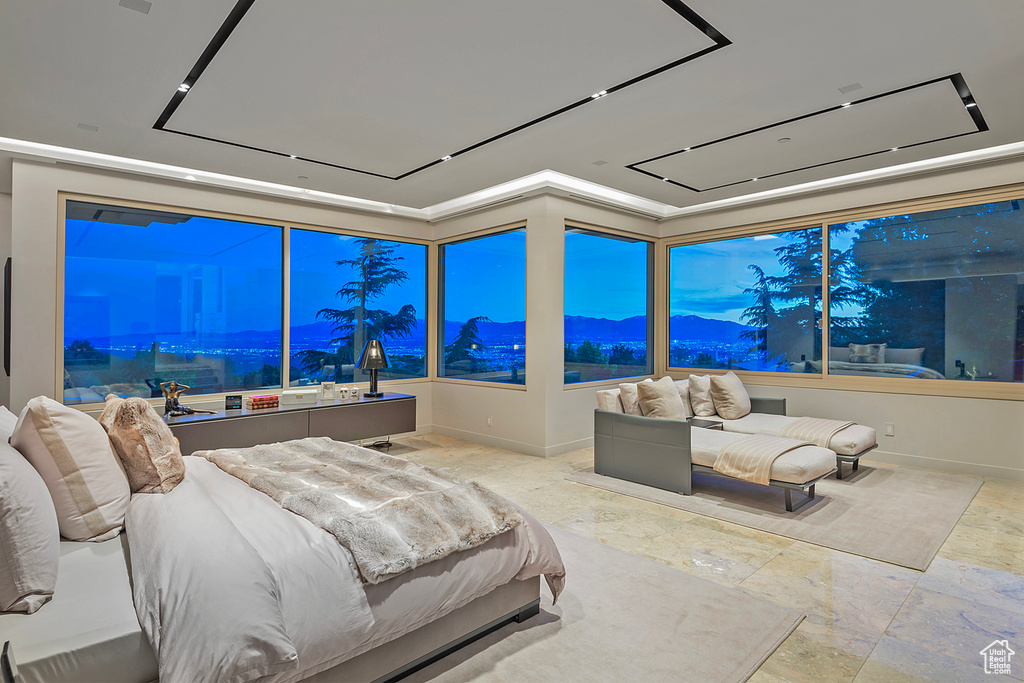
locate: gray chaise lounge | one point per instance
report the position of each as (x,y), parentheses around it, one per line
(665,453)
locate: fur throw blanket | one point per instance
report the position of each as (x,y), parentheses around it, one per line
(144,444)
(391,514)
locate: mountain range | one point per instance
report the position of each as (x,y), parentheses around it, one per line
(578,328)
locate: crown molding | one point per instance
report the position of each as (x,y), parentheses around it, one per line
(542,182)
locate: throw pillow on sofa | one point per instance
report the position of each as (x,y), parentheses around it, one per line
(661,399)
(148,450)
(628,396)
(729,396)
(867,353)
(700,396)
(72,453)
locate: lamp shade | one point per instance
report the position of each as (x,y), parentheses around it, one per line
(373,357)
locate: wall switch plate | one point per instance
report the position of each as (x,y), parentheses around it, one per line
(490,421)
(890,429)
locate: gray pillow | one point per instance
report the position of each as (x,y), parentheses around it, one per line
(700,396)
(905,356)
(867,353)
(661,399)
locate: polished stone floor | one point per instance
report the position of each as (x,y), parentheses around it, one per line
(866,620)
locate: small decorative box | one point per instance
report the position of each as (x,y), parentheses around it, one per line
(298,397)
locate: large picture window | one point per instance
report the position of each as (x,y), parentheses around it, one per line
(483,308)
(152,296)
(931,295)
(607,306)
(749,303)
(346,290)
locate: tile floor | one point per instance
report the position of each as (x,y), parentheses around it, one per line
(866,620)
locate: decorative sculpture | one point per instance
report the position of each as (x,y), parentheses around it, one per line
(172,407)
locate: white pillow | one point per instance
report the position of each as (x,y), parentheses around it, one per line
(8,421)
(729,396)
(700,396)
(29,538)
(72,453)
(661,399)
(683,386)
(627,394)
(608,399)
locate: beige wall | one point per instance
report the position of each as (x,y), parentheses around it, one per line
(972,436)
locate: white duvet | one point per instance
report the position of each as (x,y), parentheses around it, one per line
(229,586)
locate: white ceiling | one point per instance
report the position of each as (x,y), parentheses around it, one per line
(388,86)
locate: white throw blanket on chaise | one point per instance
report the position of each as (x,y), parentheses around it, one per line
(752,458)
(816,430)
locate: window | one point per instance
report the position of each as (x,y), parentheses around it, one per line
(750,303)
(346,290)
(607,304)
(152,296)
(483,308)
(931,295)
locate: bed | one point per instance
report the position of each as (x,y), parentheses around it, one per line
(339,627)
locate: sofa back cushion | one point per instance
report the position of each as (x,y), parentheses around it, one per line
(72,453)
(867,353)
(729,396)
(148,450)
(29,537)
(906,356)
(683,387)
(700,396)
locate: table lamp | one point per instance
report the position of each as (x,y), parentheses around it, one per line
(373,359)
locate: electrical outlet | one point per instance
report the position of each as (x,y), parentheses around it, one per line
(490,421)
(890,429)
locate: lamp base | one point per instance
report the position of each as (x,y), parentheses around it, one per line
(373,394)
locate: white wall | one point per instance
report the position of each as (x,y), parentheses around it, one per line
(973,436)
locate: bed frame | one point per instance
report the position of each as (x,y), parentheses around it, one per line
(515,601)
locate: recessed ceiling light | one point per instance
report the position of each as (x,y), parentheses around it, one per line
(687,149)
(292,156)
(184,87)
(599,162)
(190,177)
(894,149)
(303,177)
(89,127)
(599,94)
(847,89)
(753,180)
(446,157)
(664,180)
(971,104)
(783,140)
(847,104)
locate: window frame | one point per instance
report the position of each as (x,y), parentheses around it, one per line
(439,304)
(286,226)
(652,310)
(825,220)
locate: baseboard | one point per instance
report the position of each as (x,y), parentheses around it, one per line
(558,449)
(953,466)
(490,440)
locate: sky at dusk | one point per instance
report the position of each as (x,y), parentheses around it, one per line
(605,277)
(486,276)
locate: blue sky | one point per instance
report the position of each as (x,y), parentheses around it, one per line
(708,280)
(605,277)
(486,276)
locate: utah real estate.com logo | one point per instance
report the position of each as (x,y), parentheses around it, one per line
(997,657)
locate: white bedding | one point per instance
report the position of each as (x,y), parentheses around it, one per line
(328,614)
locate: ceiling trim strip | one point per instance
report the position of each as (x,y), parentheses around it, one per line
(956,80)
(240,9)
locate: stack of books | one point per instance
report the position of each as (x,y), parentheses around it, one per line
(257,402)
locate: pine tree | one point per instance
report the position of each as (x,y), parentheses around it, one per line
(377,270)
(466,346)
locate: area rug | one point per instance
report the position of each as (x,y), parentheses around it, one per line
(625,618)
(895,515)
